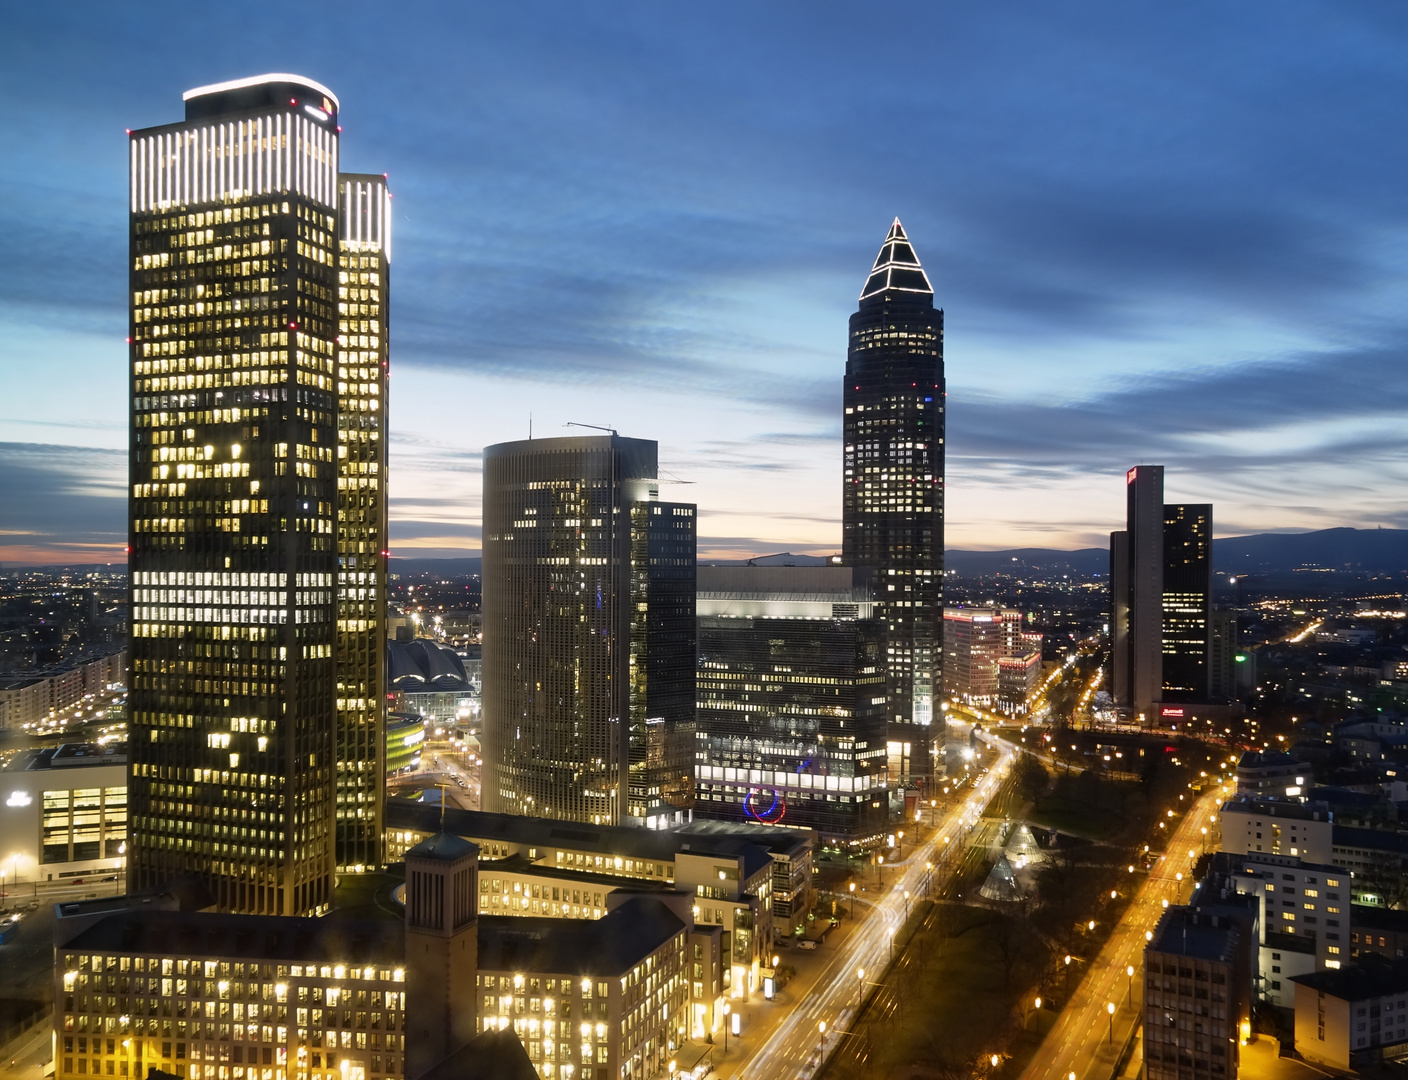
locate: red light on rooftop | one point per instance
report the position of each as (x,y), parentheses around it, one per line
(339,129)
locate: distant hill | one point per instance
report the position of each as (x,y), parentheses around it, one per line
(1361,550)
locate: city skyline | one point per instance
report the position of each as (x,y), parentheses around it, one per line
(1218,296)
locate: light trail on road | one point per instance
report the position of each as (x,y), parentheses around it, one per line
(799,1047)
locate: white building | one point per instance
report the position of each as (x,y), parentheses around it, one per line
(1278,827)
(63,814)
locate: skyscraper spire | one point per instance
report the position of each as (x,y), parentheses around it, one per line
(897,268)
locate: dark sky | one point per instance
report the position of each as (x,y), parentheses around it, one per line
(1160,233)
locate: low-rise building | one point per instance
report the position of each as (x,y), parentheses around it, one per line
(1197,1005)
(1302,830)
(1301,900)
(727,870)
(26,700)
(1272,773)
(596,1001)
(63,813)
(1378,930)
(1353,1016)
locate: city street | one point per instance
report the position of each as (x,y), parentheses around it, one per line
(807,1034)
(1085,1039)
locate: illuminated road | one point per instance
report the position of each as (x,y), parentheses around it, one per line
(1079,1044)
(797,1047)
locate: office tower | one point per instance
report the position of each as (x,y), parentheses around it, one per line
(588,633)
(1187,601)
(988,658)
(1136,574)
(233,518)
(1223,655)
(791,717)
(973,645)
(364,263)
(892,506)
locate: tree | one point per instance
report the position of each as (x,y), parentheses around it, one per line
(1032,778)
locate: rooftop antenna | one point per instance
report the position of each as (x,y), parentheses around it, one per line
(530,427)
(594,427)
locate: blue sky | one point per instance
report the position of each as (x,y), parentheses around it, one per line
(1161,233)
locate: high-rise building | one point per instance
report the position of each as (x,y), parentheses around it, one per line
(364,264)
(1187,601)
(1160,598)
(791,717)
(239,642)
(988,658)
(588,634)
(1136,575)
(893,500)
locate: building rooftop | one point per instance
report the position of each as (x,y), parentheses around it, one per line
(424,666)
(1278,808)
(69,756)
(698,838)
(1347,836)
(444,847)
(611,945)
(1265,759)
(1179,933)
(331,939)
(491,1055)
(1373,917)
(1368,977)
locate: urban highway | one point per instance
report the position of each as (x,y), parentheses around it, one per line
(801,1043)
(1087,1036)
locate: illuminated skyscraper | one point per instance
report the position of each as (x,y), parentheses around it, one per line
(1161,598)
(588,634)
(1187,602)
(364,252)
(239,643)
(893,503)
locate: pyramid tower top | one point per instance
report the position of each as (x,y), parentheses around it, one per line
(897,268)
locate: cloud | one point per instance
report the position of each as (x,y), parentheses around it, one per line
(62,503)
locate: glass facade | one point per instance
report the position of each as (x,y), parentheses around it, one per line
(588,652)
(362,366)
(893,499)
(235,461)
(792,724)
(1187,601)
(83,823)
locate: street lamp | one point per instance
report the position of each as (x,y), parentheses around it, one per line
(727,1009)
(1110,1008)
(853,899)
(906,906)
(1129,988)
(1036,1015)
(860,988)
(821,1043)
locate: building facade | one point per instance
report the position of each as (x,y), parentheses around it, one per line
(64,815)
(1136,581)
(893,491)
(791,722)
(1187,602)
(588,633)
(236,457)
(1196,1009)
(363,282)
(25,700)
